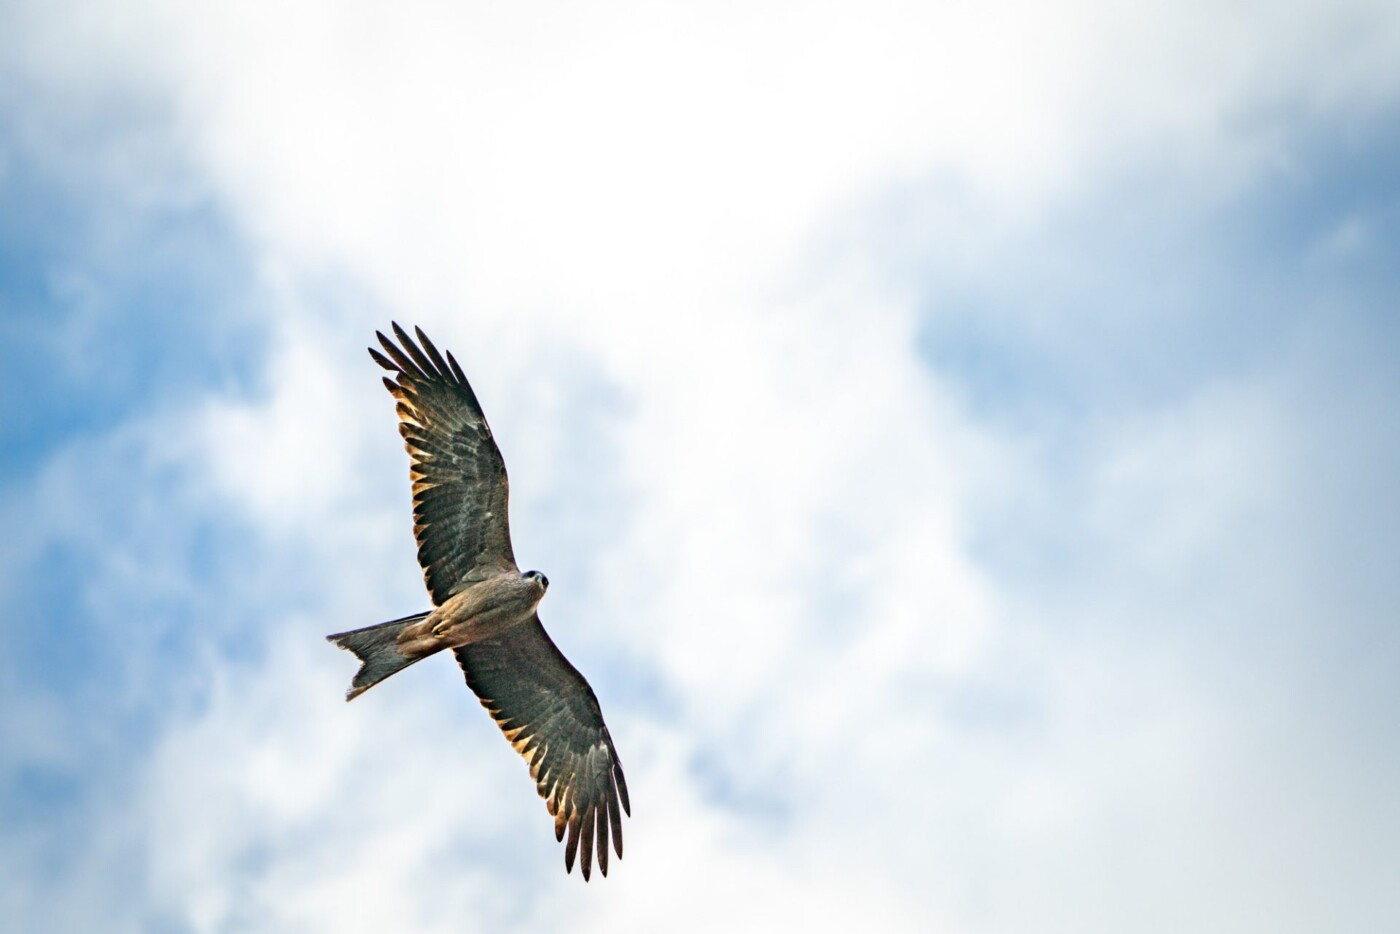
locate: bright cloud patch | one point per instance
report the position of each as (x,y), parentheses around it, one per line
(960,443)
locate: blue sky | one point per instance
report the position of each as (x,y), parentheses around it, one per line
(962,446)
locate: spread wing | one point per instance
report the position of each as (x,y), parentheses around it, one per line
(460,490)
(551,716)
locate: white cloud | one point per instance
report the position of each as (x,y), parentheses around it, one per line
(856,720)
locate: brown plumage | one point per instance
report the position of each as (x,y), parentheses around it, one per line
(485,609)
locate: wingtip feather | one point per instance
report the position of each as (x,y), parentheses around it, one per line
(615,819)
(420,359)
(380,359)
(433,355)
(404,363)
(571,847)
(603,824)
(622,789)
(586,845)
(456,369)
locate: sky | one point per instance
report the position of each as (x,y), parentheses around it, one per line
(961,439)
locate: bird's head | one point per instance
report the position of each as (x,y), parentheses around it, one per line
(538,578)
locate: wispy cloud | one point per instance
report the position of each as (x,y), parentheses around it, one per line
(961,444)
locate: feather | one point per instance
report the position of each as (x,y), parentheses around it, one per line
(531,690)
(404,364)
(424,365)
(438,363)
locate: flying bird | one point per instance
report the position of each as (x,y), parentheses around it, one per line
(484,608)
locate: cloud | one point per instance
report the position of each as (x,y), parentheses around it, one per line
(942,533)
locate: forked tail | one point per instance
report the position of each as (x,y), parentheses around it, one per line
(378,648)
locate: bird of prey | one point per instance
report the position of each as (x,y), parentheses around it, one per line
(484,608)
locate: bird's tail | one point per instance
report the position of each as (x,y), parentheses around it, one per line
(377,647)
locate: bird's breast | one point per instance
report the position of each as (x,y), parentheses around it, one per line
(480,611)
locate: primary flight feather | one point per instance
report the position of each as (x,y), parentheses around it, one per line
(484,608)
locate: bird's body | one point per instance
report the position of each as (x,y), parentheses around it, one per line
(482,610)
(485,608)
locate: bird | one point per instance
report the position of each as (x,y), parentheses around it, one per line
(485,608)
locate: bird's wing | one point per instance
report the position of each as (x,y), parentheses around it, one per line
(551,716)
(460,491)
